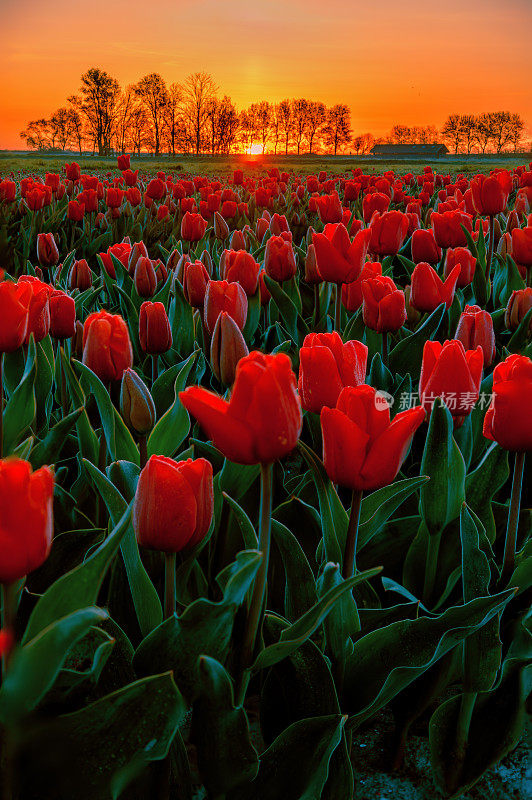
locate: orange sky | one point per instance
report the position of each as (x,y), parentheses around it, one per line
(406,61)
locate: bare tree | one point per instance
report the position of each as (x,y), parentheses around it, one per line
(152,91)
(363,143)
(316,119)
(172,120)
(98,102)
(286,122)
(452,131)
(37,134)
(503,125)
(517,127)
(76,124)
(337,131)
(198,90)
(300,120)
(483,132)
(262,119)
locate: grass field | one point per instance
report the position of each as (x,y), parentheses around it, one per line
(18,161)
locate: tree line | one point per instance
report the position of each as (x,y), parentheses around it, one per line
(191,117)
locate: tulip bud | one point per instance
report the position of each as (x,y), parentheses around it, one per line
(519,305)
(180,267)
(237,241)
(136,403)
(221,228)
(261,227)
(139,250)
(512,221)
(62,315)
(504,248)
(412,314)
(312,273)
(80,276)
(145,278)
(206,260)
(173,260)
(227,348)
(47,252)
(77,341)
(308,236)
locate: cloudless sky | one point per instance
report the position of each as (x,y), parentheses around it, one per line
(392,61)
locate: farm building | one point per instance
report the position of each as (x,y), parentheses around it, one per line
(409,150)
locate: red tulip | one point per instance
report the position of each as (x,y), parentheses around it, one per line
(240,266)
(474,329)
(15,300)
(522,246)
(155,334)
(195,280)
(47,252)
(338,259)
(326,365)
(447,228)
(145,278)
(362,449)
(388,232)
(76,210)
(352,292)
(73,171)
(223,296)
(428,289)
(227,348)
(375,201)
(123,162)
(174,503)
(193,227)
(383,307)
(508,420)
(490,192)
(424,247)
(329,208)
(26,511)
(517,308)
(453,373)
(467,262)
(106,345)
(279,258)
(62,315)
(262,421)
(39,308)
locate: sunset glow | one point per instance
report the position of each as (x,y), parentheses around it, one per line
(390,62)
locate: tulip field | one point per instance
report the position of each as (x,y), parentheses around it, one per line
(265,471)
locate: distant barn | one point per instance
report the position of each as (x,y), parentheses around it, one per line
(409,150)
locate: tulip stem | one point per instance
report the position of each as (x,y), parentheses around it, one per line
(8,616)
(259,586)
(385,348)
(169,585)
(529,277)
(467,706)
(513,519)
(349,567)
(338,308)
(64,404)
(316,305)
(431,566)
(154,368)
(1,405)
(490,246)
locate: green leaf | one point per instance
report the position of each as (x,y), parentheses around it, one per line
(300,631)
(88,441)
(220,731)
(407,355)
(120,443)
(49,449)
(300,587)
(441,498)
(246,526)
(495,729)
(34,667)
(388,659)
(204,628)
(333,516)
(293,322)
(19,411)
(170,431)
(521,336)
(379,506)
(482,650)
(296,765)
(94,752)
(145,598)
(78,588)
